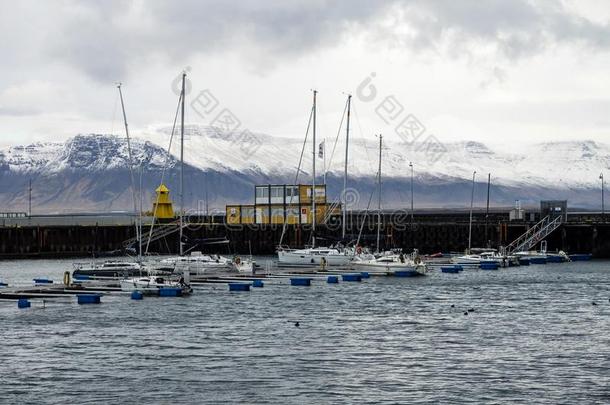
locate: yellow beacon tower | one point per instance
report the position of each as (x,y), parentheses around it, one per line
(162,206)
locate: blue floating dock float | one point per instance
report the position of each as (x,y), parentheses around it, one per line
(170,292)
(2,284)
(239,287)
(300,281)
(137,295)
(365,274)
(23,303)
(258,283)
(88,298)
(351,277)
(406,273)
(452,269)
(524,262)
(332,280)
(538,260)
(489,266)
(42,281)
(581,257)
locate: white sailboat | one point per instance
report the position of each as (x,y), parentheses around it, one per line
(153,284)
(199,263)
(393,262)
(316,256)
(110,268)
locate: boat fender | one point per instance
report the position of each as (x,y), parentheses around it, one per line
(66,278)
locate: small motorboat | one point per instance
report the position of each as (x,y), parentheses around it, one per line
(543,256)
(152,285)
(478,259)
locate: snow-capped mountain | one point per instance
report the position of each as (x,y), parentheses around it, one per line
(91,172)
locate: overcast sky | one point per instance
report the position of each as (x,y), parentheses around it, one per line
(487,70)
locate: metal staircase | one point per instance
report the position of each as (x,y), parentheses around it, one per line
(535,234)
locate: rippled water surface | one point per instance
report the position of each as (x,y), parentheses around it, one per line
(531,334)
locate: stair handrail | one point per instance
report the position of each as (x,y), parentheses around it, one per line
(535,234)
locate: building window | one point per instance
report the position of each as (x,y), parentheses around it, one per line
(292,192)
(277,192)
(262,192)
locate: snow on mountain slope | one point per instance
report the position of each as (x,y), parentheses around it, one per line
(556,164)
(91,171)
(91,152)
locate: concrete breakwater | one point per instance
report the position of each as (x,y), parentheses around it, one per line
(430,233)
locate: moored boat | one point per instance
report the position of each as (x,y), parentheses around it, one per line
(580,257)
(153,285)
(393,264)
(198,263)
(110,268)
(314,256)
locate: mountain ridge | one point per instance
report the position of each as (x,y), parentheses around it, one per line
(90,171)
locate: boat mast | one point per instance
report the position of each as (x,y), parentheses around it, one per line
(349,102)
(182,164)
(470,222)
(133,187)
(141,210)
(487,211)
(379,196)
(313,182)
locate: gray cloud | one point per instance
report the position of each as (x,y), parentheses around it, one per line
(110,39)
(517,28)
(18,112)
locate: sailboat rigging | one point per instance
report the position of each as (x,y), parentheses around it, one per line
(138,217)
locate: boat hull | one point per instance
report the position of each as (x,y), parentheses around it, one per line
(398,269)
(295,258)
(151,288)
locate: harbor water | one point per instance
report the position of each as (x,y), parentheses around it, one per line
(522,334)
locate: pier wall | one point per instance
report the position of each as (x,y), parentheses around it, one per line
(429,234)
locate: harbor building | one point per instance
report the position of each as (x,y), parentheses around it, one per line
(283,203)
